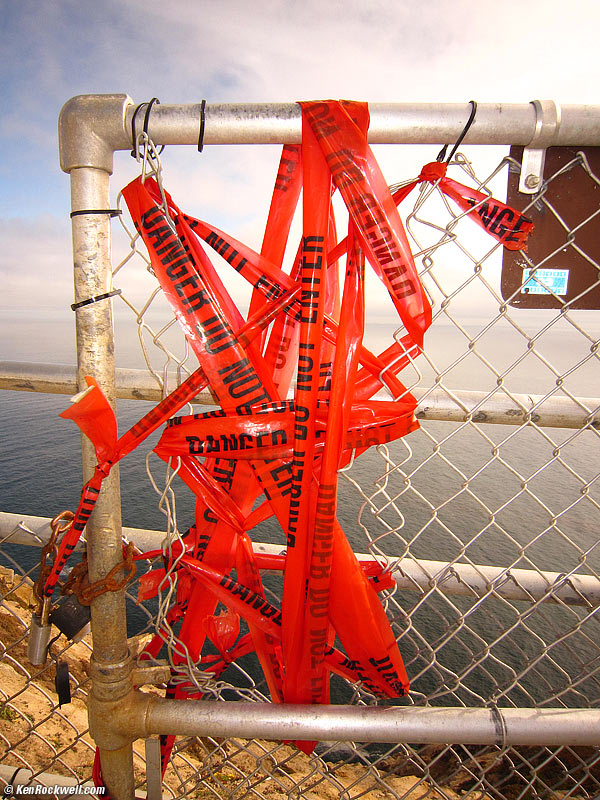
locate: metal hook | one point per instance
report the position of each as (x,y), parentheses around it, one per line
(442,154)
(147,114)
(134,138)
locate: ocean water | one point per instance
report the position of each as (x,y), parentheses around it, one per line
(490,494)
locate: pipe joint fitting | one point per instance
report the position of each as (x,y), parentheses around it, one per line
(110,681)
(90,128)
(103,718)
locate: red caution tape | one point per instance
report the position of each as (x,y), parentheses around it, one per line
(268,434)
(96,420)
(223,629)
(261,454)
(94,416)
(508,226)
(327,370)
(367,197)
(504,223)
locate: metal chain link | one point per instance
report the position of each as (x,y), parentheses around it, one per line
(78,582)
(59,525)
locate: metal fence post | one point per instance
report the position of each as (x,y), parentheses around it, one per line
(89,162)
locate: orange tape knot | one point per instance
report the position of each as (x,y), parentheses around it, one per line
(433,172)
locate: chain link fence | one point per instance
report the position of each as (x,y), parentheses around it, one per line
(490,529)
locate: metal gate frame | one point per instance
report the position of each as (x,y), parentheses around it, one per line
(91,129)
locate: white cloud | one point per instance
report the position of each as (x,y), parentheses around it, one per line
(441,50)
(36,264)
(269,50)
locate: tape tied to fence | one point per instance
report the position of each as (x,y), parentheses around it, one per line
(241,383)
(262,454)
(508,226)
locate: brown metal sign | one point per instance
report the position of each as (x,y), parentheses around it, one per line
(562,262)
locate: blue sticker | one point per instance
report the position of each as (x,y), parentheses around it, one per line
(545,281)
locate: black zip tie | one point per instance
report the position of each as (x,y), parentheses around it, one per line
(147,114)
(112,212)
(90,300)
(442,154)
(133,136)
(145,125)
(202,124)
(14,775)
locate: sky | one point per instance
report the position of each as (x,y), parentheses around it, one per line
(236,51)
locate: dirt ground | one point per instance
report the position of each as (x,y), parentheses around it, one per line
(35,733)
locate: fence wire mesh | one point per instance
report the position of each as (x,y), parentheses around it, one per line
(518,496)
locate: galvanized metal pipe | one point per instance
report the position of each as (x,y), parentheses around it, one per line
(461,405)
(95,357)
(410,574)
(458,405)
(391,123)
(503,727)
(92,127)
(26,529)
(130,384)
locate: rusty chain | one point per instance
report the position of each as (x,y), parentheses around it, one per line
(78,582)
(60,524)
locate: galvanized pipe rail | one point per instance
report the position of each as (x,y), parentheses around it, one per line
(503,727)
(91,129)
(410,574)
(454,405)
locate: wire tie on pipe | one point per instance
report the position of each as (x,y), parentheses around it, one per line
(112,212)
(202,126)
(134,152)
(147,120)
(14,775)
(442,154)
(499,726)
(147,114)
(96,299)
